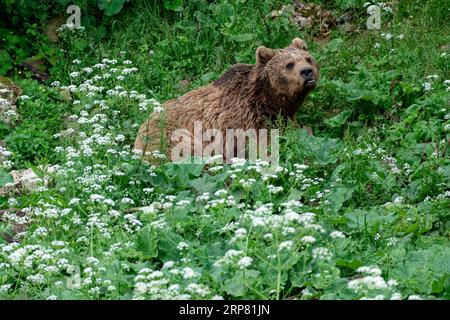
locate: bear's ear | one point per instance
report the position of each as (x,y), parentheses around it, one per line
(299,44)
(263,55)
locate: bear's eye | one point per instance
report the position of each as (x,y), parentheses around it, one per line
(309,60)
(290,65)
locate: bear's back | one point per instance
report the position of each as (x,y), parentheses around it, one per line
(235,76)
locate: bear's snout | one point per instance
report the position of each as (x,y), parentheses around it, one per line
(309,77)
(307,73)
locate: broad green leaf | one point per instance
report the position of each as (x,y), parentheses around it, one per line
(174,5)
(325,154)
(147,242)
(5,62)
(352,264)
(334,44)
(111,7)
(338,196)
(5,178)
(339,120)
(207,183)
(201,17)
(295,195)
(235,286)
(437,286)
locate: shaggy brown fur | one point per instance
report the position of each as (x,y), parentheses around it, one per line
(243,98)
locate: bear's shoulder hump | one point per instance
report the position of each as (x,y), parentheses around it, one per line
(237,73)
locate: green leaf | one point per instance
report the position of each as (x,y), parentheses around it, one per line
(235,286)
(201,17)
(325,152)
(339,120)
(412,228)
(174,5)
(438,285)
(111,7)
(338,196)
(5,178)
(167,246)
(295,195)
(352,264)
(207,77)
(425,271)
(207,183)
(5,62)
(147,242)
(299,273)
(334,44)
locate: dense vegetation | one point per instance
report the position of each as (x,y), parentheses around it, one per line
(359,210)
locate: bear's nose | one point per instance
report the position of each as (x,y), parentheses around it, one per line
(307,73)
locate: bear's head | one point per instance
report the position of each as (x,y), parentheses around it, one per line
(292,71)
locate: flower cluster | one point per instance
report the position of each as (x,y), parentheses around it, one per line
(171,282)
(373,286)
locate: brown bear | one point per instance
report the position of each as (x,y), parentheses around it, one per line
(244,97)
